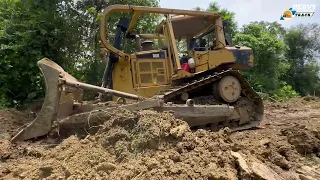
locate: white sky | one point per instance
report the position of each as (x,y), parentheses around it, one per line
(251,10)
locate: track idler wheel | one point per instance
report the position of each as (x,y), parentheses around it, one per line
(228,89)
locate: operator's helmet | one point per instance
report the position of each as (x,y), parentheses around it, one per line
(191,63)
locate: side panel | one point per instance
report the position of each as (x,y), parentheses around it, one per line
(229,57)
(206,60)
(145,75)
(201,60)
(152,69)
(219,57)
(151,73)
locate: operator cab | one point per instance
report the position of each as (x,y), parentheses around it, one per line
(194,34)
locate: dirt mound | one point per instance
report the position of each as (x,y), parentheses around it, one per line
(11,120)
(143,145)
(304,140)
(148,145)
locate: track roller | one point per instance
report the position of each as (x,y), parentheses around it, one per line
(227,89)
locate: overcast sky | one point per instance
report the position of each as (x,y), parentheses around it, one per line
(251,10)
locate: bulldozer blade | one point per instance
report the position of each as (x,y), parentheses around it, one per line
(41,125)
(63,92)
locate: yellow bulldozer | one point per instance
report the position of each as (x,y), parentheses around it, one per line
(200,83)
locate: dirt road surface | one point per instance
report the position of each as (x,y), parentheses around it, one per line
(150,145)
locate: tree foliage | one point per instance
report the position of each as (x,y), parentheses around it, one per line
(31,30)
(63,31)
(268,56)
(302,53)
(226,14)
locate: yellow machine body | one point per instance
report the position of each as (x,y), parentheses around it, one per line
(148,73)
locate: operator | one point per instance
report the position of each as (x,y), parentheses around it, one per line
(184,63)
(193,44)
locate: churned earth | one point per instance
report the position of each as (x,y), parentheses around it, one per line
(150,145)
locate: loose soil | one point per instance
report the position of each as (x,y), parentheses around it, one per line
(151,145)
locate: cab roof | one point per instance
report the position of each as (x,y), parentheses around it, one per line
(188,26)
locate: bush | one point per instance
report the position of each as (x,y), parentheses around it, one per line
(284,93)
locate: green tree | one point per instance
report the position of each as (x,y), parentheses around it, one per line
(64,31)
(302,52)
(268,56)
(226,14)
(273,28)
(31,30)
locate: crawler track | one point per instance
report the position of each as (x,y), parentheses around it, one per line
(249,100)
